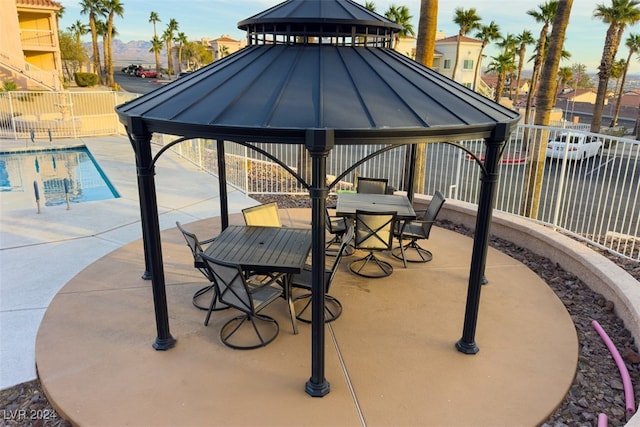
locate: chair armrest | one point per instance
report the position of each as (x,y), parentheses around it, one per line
(208,240)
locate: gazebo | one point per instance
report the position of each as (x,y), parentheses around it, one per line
(318,74)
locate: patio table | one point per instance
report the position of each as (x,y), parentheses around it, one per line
(265,250)
(348,203)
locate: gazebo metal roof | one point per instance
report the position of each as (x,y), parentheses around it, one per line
(316,73)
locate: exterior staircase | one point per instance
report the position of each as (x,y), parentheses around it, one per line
(12,68)
(484,89)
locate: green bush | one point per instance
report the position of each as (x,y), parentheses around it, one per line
(86,79)
(9,85)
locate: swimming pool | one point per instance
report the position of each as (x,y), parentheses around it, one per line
(54,173)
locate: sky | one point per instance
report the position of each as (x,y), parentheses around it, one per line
(213,18)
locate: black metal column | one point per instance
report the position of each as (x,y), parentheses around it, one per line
(318,142)
(151,232)
(222,180)
(411,171)
(146,275)
(467,343)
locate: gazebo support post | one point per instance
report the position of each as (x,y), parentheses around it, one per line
(319,143)
(141,140)
(222,180)
(410,171)
(494,145)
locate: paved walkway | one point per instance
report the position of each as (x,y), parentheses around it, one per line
(40,253)
(390,358)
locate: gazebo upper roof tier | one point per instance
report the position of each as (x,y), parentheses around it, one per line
(325,18)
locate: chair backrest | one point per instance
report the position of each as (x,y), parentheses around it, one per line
(374,230)
(196,251)
(334,224)
(192,240)
(372,185)
(432,212)
(231,285)
(265,215)
(346,241)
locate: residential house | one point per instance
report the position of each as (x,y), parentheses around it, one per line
(29,46)
(225,45)
(579,95)
(469,51)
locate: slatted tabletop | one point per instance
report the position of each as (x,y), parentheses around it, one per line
(348,203)
(263,249)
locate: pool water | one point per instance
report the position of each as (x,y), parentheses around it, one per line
(52,174)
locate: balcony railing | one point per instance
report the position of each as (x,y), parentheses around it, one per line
(31,39)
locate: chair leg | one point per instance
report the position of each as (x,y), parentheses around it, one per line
(332,308)
(358,267)
(401,252)
(202,291)
(264,327)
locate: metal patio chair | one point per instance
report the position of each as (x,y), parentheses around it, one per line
(373,233)
(372,185)
(337,226)
(265,215)
(332,307)
(196,250)
(417,230)
(237,291)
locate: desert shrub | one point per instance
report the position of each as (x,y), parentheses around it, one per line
(86,79)
(9,85)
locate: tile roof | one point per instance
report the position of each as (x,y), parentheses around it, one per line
(40,3)
(464,39)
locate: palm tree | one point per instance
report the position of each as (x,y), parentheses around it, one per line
(616,72)
(369,5)
(486,33)
(544,15)
(633,43)
(508,45)
(620,14)
(427,26)
(154,18)
(502,65)
(467,20)
(172,26)
(181,39)
(401,16)
(425,49)
(156,48)
(544,105)
(565,74)
(101,29)
(113,8)
(95,9)
(523,39)
(78,29)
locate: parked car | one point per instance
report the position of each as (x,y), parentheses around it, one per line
(147,73)
(581,146)
(131,69)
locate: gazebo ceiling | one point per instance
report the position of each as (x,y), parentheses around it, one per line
(292,79)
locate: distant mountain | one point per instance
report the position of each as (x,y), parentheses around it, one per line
(133,52)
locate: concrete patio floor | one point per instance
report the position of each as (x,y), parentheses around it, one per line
(390,358)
